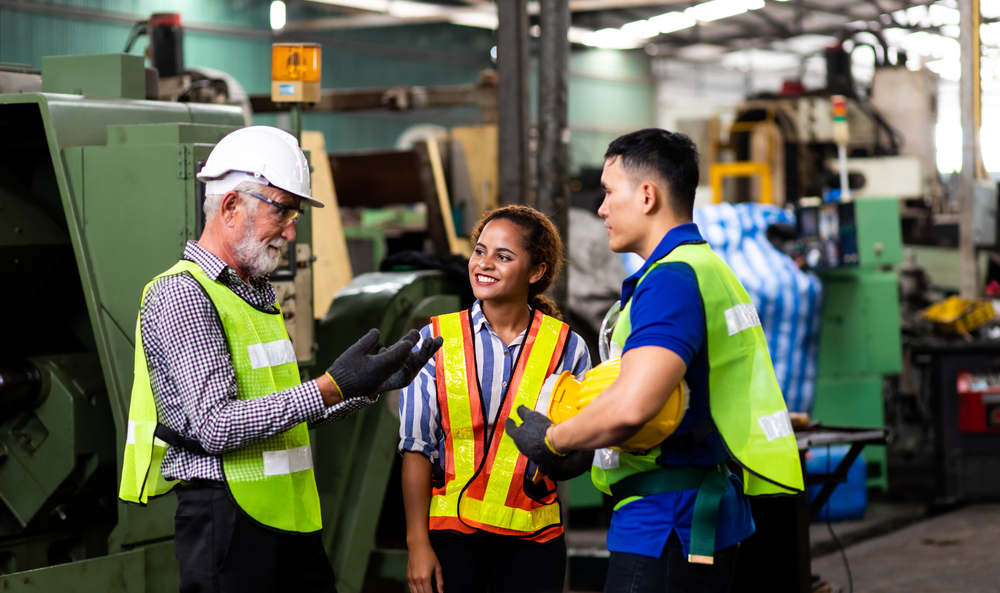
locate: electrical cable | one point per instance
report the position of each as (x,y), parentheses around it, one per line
(833,534)
(843,554)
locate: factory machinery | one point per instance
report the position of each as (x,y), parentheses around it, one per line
(97,195)
(803,146)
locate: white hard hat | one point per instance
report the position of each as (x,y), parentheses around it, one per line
(260,154)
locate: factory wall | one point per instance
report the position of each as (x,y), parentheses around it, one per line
(610,92)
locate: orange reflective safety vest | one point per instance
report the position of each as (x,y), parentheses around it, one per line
(484,485)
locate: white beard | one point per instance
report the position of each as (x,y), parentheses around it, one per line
(254,256)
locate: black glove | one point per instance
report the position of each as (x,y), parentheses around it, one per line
(414,363)
(358,373)
(530,436)
(575,464)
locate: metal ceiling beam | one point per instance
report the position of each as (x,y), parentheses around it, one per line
(807,7)
(592,5)
(378,19)
(775,23)
(677,41)
(372,19)
(481,94)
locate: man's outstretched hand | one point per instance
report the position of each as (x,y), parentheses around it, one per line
(414,363)
(530,436)
(358,373)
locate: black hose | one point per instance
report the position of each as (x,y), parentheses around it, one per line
(836,538)
(137,30)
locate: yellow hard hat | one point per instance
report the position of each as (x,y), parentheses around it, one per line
(569,396)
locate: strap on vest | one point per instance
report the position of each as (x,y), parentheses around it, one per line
(711,484)
(174,439)
(695,436)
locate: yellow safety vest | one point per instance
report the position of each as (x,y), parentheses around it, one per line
(271,480)
(484,478)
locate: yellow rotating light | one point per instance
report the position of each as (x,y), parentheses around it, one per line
(569,396)
(296,69)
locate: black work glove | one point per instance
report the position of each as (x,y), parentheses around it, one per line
(358,373)
(575,464)
(414,363)
(530,437)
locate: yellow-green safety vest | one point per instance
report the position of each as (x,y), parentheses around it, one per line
(272,480)
(745,400)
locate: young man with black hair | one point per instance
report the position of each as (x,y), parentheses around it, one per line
(679,512)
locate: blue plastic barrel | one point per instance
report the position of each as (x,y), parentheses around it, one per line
(850,499)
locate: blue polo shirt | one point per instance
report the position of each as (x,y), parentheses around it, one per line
(667,312)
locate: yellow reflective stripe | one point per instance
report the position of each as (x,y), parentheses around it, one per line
(535,370)
(501,515)
(463,441)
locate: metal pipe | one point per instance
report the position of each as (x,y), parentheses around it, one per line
(845,187)
(512,94)
(295,121)
(553,125)
(968,89)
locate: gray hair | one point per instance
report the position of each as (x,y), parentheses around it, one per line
(214,201)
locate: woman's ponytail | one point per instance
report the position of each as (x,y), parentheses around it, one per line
(546,306)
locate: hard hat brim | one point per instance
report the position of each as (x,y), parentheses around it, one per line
(231,179)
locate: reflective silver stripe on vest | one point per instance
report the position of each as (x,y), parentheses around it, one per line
(130,435)
(606,458)
(288,461)
(271,354)
(776,425)
(741,317)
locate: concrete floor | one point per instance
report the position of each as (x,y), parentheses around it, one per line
(880,518)
(954,552)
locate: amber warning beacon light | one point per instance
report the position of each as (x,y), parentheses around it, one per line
(295,72)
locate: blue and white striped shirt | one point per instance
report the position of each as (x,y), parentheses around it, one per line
(420,417)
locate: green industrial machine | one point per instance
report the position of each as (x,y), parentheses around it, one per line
(852,247)
(353,457)
(97,195)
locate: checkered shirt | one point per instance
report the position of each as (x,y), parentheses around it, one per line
(193,379)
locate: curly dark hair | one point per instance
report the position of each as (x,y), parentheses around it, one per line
(543,244)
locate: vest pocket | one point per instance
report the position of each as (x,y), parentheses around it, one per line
(536,492)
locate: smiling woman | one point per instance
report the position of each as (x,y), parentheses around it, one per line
(474,506)
(522,240)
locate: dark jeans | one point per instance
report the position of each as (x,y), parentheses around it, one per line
(671,572)
(221,550)
(484,561)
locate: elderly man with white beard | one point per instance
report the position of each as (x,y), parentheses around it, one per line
(219,413)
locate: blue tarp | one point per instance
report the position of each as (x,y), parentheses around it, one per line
(788,300)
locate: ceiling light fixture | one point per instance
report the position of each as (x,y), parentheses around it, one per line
(611,39)
(720,9)
(277,15)
(673,21)
(641,29)
(482,20)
